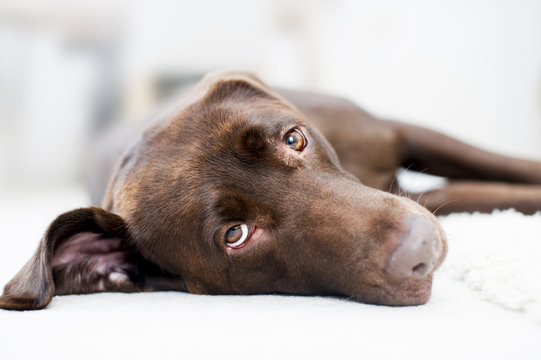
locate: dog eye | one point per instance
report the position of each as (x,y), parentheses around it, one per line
(236,236)
(295,140)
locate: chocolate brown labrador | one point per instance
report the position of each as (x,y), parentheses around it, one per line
(243,189)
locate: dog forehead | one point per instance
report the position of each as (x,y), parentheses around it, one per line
(221,118)
(232,115)
(220,100)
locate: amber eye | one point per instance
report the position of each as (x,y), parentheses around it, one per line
(295,140)
(236,236)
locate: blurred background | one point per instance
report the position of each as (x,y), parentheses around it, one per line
(70,68)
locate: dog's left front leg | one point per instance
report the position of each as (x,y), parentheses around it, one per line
(462,196)
(435,153)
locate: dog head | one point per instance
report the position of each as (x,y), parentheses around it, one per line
(235,192)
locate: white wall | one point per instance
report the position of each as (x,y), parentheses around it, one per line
(44,109)
(469,68)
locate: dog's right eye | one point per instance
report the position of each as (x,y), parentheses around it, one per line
(295,140)
(236,236)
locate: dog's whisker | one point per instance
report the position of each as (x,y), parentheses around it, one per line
(392,183)
(420,196)
(442,205)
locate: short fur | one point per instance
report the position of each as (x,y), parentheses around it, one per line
(323,221)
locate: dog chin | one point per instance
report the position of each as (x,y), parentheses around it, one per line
(415,294)
(407,294)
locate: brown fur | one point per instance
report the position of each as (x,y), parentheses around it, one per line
(219,160)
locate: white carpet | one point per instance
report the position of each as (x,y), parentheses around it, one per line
(486,304)
(499,257)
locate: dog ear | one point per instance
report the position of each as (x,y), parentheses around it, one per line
(223,86)
(84,251)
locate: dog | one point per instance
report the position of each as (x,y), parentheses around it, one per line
(244,189)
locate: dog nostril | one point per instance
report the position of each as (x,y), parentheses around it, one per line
(418,252)
(420,269)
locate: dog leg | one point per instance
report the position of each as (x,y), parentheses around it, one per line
(462,196)
(478,180)
(438,154)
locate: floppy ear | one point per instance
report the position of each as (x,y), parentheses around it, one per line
(83,251)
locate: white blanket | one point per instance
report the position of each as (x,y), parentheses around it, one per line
(486,304)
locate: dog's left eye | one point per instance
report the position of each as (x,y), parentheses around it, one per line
(236,236)
(295,140)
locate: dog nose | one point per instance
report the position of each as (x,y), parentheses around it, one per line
(418,252)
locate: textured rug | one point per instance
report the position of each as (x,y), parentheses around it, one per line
(498,256)
(485,304)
